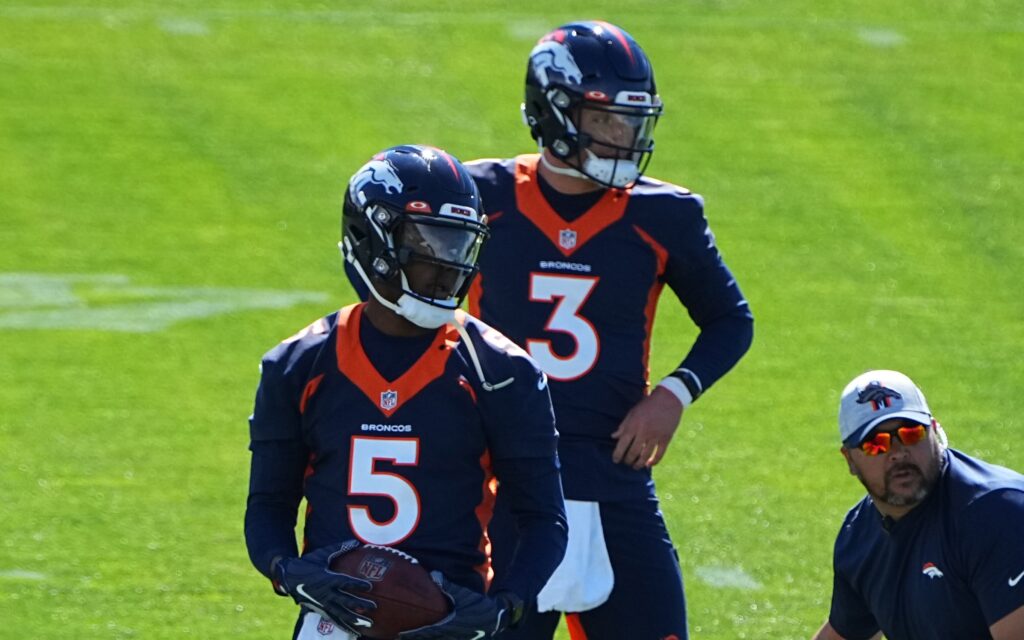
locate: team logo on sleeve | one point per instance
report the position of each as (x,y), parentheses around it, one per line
(929,569)
(388,400)
(551,55)
(567,238)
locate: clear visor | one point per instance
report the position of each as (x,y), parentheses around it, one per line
(618,127)
(438,256)
(455,245)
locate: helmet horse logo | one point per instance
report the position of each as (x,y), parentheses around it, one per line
(551,55)
(377,172)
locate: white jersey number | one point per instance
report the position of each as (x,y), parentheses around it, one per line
(571,292)
(365,480)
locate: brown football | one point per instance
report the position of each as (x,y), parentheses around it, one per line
(406,597)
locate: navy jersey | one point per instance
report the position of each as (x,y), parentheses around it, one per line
(409,462)
(580,296)
(949,568)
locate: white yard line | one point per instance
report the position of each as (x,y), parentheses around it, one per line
(727,578)
(62,301)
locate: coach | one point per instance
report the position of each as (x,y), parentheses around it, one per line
(936,548)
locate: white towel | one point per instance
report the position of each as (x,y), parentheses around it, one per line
(585,579)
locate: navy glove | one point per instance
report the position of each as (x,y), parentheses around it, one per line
(474,615)
(311,583)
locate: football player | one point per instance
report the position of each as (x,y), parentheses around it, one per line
(394,419)
(582,245)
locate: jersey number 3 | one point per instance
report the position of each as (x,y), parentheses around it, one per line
(569,293)
(365,480)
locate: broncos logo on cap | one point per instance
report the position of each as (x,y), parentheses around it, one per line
(377,172)
(554,56)
(877,395)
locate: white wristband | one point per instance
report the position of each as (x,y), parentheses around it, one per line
(676,387)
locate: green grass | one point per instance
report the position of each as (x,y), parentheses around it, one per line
(862,167)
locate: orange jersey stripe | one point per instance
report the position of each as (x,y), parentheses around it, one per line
(576,632)
(356,366)
(661,254)
(484,511)
(530,201)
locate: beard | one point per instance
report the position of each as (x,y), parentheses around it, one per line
(905,485)
(920,488)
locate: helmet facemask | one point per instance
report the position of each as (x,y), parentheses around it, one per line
(412,230)
(613,143)
(421,265)
(591,100)
(437,257)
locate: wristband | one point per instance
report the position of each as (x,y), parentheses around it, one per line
(684,385)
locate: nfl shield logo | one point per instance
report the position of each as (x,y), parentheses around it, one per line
(374,567)
(325,627)
(567,238)
(388,399)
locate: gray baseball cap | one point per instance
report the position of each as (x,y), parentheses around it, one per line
(876,396)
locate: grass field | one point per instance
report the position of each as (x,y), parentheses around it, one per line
(170,179)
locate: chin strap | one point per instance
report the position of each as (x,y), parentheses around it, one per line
(421,314)
(616,173)
(610,171)
(418,312)
(562,171)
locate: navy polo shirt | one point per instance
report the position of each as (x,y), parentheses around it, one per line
(950,568)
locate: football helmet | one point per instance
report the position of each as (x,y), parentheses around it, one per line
(591,100)
(412,220)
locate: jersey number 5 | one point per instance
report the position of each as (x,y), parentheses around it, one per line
(365,480)
(570,292)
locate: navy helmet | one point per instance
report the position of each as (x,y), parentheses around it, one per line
(593,72)
(414,204)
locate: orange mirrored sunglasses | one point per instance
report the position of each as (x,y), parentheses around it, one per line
(881,441)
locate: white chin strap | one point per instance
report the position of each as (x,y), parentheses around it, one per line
(617,173)
(418,312)
(562,171)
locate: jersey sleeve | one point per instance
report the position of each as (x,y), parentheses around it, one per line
(518,417)
(849,615)
(522,440)
(697,274)
(276,415)
(533,493)
(991,533)
(279,451)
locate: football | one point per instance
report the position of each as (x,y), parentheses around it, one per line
(406,597)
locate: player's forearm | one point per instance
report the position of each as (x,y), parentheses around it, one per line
(719,346)
(275,491)
(268,535)
(534,494)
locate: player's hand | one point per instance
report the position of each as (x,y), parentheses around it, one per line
(647,429)
(473,616)
(311,583)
